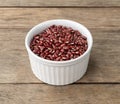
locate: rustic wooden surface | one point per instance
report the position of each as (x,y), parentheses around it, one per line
(101,83)
(46,94)
(90,17)
(61,3)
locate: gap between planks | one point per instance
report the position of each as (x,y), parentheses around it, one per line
(76,83)
(59,6)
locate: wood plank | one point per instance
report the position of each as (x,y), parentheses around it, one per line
(103,67)
(14,63)
(72,94)
(58,3)
(104,57)
(90,17)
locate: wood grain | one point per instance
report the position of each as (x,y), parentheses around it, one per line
(101,83)
(59,3)
(72,94)
(90,17)
(103,67)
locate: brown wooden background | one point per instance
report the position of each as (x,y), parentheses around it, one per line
(100,85)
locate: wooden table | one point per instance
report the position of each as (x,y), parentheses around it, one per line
(100,85)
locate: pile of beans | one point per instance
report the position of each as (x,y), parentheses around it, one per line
(59,43)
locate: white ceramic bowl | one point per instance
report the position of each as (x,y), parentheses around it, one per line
(59,72)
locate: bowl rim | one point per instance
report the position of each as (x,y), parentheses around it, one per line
(58,62)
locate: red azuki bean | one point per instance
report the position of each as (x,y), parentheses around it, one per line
(41,48)
(62,45)
(36,37)
(58,58)
(59,43)
(57,52)
(64,57)
(65,47)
